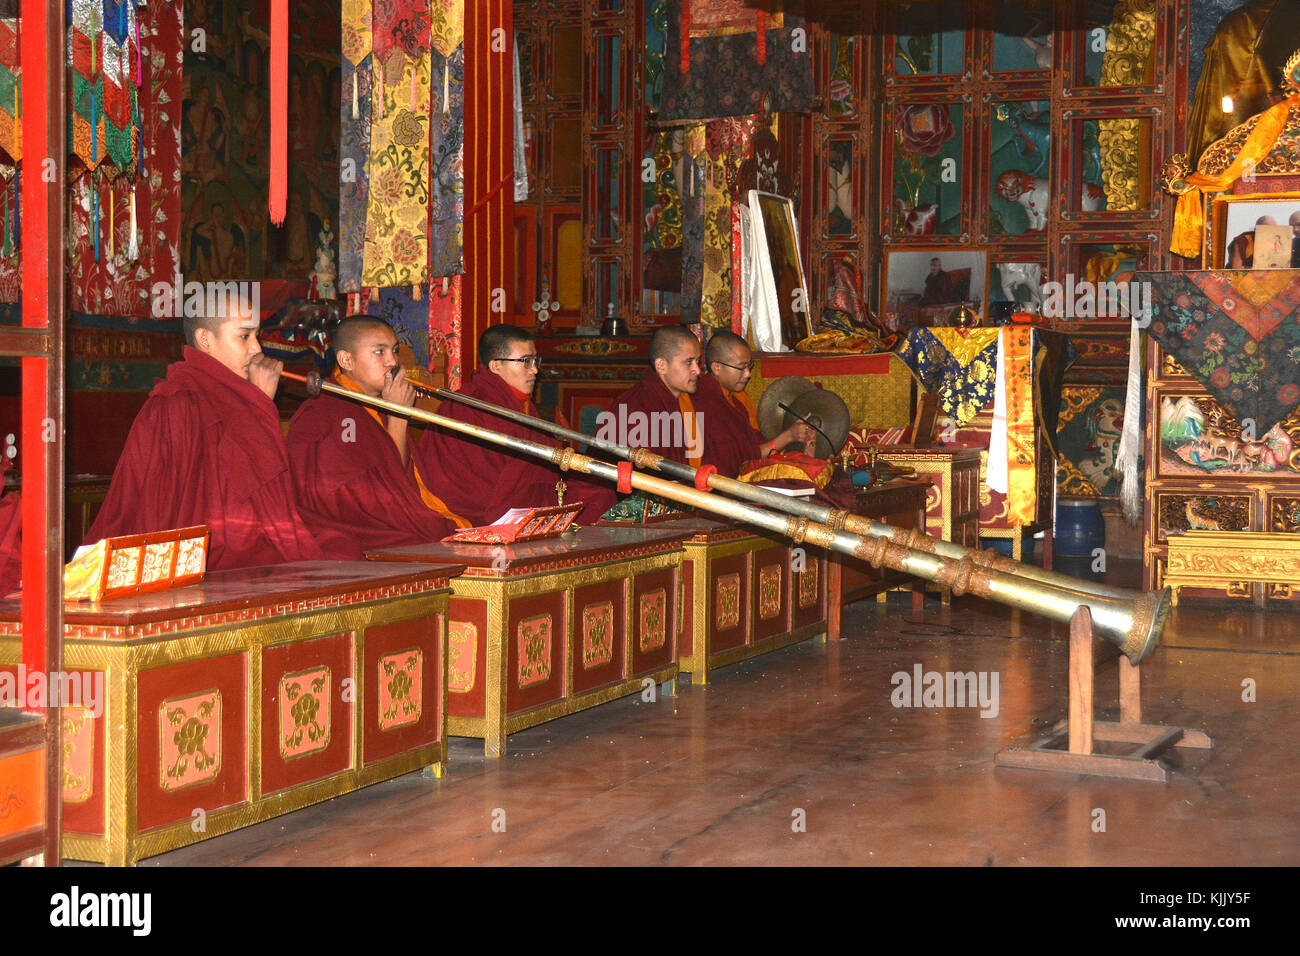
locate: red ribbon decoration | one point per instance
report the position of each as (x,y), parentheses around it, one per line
(624,477)
(279,80)
(762,37)
(702,476)
(686,37)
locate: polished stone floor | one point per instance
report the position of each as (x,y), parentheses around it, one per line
(800,757)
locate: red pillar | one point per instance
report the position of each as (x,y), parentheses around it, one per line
(489,170)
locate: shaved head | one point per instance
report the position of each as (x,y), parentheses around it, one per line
(351,329)
(213,323)
(497,341)
(669,340)
(721,345)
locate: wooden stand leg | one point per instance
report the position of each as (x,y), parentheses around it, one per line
(1047,550)
(1082,730)
(1130,692)
(1081,665)
(834,595)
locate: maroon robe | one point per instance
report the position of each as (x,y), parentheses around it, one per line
(638,419)
(353,490)
(206,449)
(730,439)
(11,542)
(482,481)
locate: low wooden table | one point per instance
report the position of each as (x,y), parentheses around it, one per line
(744,595)
(542,629)
(1234,561)
(901,503)
(22,785)
(252,694)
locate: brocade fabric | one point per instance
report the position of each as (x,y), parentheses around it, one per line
(1237,332)
(729,70)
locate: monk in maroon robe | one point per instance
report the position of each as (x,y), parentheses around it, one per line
(354,474)
(728,417)
(481,481)
(659,412)
(11,535)
(206,449)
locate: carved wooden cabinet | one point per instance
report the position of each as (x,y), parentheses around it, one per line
(1192,484)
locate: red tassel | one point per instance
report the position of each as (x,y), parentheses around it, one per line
(762,37)
(279,81)
(686,37)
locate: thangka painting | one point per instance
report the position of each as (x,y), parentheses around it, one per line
(1088,431)
(1198,437)
(225,147)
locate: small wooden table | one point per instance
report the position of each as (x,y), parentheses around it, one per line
(746,593)
(901,503)
(254,693)
(542,629)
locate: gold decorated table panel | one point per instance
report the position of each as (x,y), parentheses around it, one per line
(745,593)
(196,711)
(953,504)
(542,629)
(1233,562)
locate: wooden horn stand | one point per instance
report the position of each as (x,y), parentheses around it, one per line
(1080,730)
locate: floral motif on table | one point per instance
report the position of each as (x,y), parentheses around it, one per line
(1237,333)
(769,592)
(533,636)
(77,740)
(597,634)
(191,558)
(158,558)
(189,731)
(401,688)
(304,706)
(808,584)
(726,602)
(124,568)
(462,657)
(653,617)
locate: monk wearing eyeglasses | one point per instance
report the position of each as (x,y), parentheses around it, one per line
(482,481)
(357,484)
(728,417)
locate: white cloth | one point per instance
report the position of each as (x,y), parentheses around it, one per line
(762,319)
(1127,456)
(521,158)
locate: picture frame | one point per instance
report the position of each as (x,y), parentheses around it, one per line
(915,296)
(780,315)
(1232,222)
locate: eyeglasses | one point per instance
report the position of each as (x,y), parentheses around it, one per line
(747,367)
(531,361)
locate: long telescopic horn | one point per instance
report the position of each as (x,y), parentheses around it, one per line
(1132,623)
(834,518)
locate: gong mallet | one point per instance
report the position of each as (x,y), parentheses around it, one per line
(1133,622)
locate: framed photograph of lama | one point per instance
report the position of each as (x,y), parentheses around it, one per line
(923,286)
(780,305)
(1245,227)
